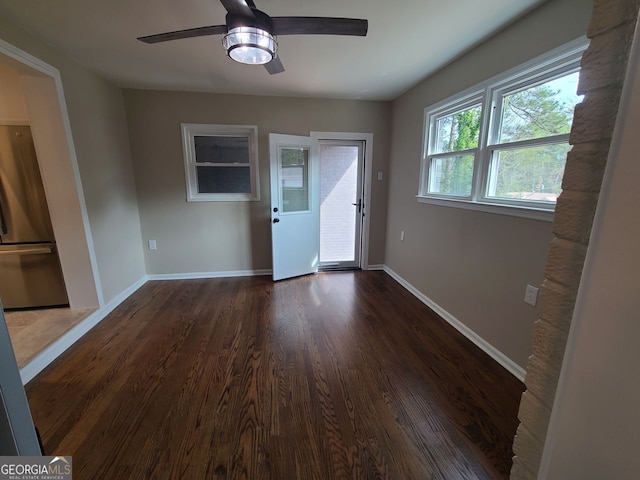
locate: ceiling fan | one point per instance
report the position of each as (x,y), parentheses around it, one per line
(250,34)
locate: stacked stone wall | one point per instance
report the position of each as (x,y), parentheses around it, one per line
(602,74)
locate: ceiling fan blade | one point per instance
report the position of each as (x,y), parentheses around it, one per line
(238,7)
(319,26)
(274,66)
(189,33)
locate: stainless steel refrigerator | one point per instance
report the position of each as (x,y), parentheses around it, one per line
(30,273)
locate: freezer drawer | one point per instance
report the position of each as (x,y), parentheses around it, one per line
(30,276)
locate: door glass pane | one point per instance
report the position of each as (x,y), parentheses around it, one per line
(338,193)
(294,179)
(529,173)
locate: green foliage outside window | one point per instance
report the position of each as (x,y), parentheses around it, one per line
(457,132)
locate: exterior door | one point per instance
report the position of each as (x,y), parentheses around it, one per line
(295,205)
(341,203)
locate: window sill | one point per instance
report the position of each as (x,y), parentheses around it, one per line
(499,209)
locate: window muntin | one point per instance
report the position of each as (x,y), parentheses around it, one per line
(517,159)
(221,162)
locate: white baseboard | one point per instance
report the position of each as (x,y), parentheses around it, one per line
(194,275)
(53,351)
(515,369)
(375,267)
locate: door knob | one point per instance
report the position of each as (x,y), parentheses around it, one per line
(276,220)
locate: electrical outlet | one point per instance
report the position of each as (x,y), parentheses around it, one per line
(531,295)
(402,235)
(379,175)
(153,245)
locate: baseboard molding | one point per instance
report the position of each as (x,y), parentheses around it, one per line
(53,351)
(194,275)
(512,367)
(375,267)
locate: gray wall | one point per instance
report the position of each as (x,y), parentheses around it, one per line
(99,129)
(232,236)
(474,265)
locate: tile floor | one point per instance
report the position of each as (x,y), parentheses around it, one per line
(32,331)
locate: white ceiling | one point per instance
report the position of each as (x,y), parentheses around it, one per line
(407,40)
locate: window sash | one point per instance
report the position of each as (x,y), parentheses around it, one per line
(435,147)
(525,82)
(435,174)
(220,175)
(492,179)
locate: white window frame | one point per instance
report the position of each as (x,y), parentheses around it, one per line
(489,94)
(190,131)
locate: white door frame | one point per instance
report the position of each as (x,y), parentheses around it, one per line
(358,208)
(367,138)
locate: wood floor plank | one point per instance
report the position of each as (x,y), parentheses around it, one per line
(331,376)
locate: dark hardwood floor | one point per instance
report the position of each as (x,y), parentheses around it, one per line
(336,375)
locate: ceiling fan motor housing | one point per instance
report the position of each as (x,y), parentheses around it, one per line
(249,39)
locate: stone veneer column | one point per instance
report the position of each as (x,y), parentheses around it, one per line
(604,65)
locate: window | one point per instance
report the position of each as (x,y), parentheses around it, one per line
(221,162)
(501,146)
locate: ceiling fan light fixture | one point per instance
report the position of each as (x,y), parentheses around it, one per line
(250,45)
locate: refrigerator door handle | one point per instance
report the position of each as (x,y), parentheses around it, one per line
(26,251)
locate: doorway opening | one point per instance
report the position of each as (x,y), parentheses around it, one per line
(343,182)
(342,206)
(37,100)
